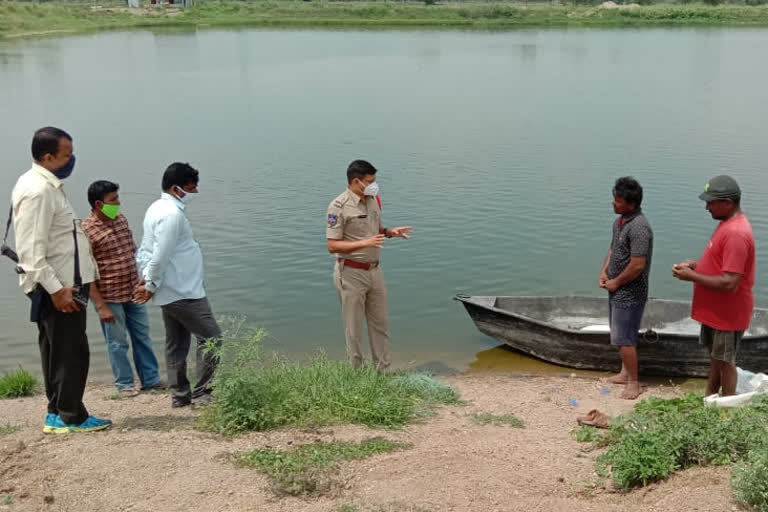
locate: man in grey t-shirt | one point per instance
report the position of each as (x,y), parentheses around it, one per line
(625,275)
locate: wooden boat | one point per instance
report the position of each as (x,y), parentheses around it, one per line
(573,332)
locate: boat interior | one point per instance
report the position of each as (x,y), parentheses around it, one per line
(590,314)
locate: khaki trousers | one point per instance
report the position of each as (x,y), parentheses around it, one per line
(363,295)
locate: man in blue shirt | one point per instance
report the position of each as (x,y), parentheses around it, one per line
(171,266)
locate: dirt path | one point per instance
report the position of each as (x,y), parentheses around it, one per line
(153,460)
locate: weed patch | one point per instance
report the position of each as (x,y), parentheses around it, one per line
(8,429)
(18,383)
(166,423)
(487,418)
(312,469)
(587,434)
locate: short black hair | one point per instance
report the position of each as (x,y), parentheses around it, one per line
(99,189)
(179,174)
(629,189)
(46,140)
(358,169)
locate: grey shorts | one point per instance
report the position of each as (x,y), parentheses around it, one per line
(721,345)
(625,324)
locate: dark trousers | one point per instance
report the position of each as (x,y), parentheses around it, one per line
(65,357)
(182,319)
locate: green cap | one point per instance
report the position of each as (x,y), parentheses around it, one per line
(721,187)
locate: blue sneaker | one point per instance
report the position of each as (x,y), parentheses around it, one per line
(91,424)
(57,425)
(54,425)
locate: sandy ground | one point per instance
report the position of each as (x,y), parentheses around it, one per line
(153,460)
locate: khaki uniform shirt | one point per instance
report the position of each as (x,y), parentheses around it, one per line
(43,224)
(353,219)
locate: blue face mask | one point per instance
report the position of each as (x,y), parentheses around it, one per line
(66,170)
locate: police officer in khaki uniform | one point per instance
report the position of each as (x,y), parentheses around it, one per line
(355,236)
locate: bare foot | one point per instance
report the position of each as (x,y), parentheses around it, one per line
(632,391)
(621,378)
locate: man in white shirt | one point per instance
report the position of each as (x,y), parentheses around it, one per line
(56,267)
(171,267)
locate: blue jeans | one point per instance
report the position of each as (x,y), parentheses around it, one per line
(625,324)
(130,319)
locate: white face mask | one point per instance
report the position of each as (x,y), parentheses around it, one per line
(372,189)
(187,197)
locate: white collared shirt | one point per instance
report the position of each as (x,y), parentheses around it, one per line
(43,220)
(170,259)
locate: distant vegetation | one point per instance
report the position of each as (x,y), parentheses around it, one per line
(60,17)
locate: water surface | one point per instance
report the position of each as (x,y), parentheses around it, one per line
(500,148)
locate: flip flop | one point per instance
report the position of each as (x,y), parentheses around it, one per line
(595,418)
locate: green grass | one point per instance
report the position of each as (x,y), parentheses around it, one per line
(35,19)
(487,418)
(8,499)
(663,436)
(312,469)
(18,383)
(8,429)
(253,392)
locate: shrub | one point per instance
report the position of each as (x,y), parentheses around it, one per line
(749,480)
(661,436)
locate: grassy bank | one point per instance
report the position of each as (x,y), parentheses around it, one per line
(255,391)
(34,19)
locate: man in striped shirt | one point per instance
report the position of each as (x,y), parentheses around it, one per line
(114,251)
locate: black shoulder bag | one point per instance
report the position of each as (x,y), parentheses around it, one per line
(5,249)
(80,293)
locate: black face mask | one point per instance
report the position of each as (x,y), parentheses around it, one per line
(66,170)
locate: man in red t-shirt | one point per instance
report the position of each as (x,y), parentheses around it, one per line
(722,282)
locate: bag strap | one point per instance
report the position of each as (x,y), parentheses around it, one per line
(78,277)
(8,223)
